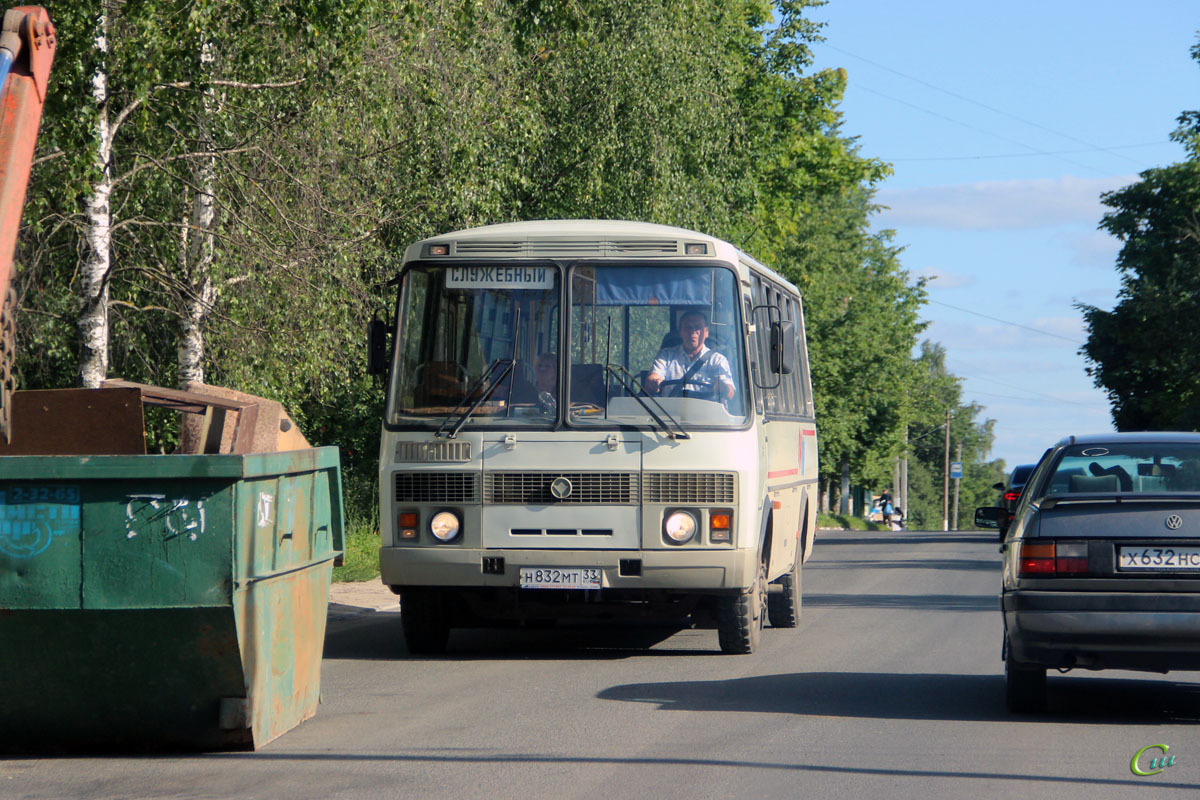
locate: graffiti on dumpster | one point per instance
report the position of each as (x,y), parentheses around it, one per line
(32,516)
(174,516)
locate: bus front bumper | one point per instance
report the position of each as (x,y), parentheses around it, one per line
(684,570)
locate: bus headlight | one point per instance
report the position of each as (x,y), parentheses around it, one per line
(680,527)
(444,526)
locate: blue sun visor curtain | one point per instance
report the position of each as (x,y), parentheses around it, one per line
(654,286)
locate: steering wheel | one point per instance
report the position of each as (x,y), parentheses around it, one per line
(460,372)
(707,391)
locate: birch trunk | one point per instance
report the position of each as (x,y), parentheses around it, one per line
(196,245)
(97,262)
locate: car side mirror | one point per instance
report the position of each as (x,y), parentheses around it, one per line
(998,485)
(992,517)
(377,349)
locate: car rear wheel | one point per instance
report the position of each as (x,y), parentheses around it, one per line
(426,624)
(1024,687)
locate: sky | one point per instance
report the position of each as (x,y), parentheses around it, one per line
(1004,123)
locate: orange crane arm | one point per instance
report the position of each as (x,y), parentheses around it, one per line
(27,45)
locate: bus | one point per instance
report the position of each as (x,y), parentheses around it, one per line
(594,420)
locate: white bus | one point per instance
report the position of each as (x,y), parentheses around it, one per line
(594,420)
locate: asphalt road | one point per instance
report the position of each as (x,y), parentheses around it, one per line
(890,688)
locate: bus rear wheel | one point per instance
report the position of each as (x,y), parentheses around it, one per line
(783,606)
(426,625)
(740,619)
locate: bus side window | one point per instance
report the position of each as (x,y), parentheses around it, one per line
(755,365)
(768,381)
(804,384)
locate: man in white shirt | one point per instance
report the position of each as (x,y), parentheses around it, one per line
(691,367)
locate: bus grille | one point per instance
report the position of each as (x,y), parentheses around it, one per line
(600,488)
(433,451)
(533,488)
(688,487)
(437,487)
(669,246)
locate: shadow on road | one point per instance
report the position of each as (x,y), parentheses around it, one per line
(825,538)
(380,637)
(963,564)
(975,698)
(921,602)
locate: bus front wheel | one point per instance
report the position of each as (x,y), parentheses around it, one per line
(426,625)
(740,618)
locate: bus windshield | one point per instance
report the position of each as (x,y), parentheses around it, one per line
(480,336)
(647,346)
(650,339)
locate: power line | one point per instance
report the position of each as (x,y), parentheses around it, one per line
(1028,155)
(1027,391)
(977,129)
(973,101)
(1007,322)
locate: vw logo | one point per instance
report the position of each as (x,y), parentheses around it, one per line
(1174,522)
(561,488)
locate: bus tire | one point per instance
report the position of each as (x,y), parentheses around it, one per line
(740,618)
(783,608)
(426,625)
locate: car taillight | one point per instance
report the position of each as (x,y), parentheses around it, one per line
(1036,559)
(1039,559)
(1070,558)
(1012,497)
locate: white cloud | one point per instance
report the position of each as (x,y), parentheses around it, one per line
(999,205)
(1097,249)
(944,279)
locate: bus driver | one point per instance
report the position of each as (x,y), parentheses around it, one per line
(691,365)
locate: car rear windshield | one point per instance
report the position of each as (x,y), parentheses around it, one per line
(1151,468)
(1021,474)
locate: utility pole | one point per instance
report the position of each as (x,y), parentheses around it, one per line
(957,481)
(946,479)
(904,476)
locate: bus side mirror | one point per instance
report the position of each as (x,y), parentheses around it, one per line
(783,347)
(377,349)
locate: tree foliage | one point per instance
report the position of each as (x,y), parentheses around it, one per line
(341,130)
(1141,352)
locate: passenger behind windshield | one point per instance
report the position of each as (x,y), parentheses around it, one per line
(546,373)
(691,369)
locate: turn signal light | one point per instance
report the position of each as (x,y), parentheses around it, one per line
(408,522)
(1036,559)
(720,526)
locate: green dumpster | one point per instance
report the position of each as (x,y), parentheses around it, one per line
(163,602)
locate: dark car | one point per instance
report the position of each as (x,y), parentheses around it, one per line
(1010,489)
(1102,561)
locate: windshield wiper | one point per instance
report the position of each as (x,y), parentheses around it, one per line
(637,392)
(491,378)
